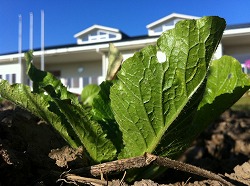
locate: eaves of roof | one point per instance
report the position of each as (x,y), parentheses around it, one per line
(124,39)
(238,26)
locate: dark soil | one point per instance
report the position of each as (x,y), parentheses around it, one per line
(32,153)
(223,146)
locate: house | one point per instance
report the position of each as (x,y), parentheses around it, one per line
(85,62)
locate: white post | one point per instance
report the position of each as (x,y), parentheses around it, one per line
(80,82)
(42,40)
(20,39)
(20,75)
(31,31)
(31,40)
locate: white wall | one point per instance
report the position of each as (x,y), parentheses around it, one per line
(241,52)
(78,74)
(6,71)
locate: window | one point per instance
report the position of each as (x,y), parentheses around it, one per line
(7,77)
(102,33)
(68,82)
(86,38)
(28,82)
(158,29)
(93,34)
(56,73)
(99,35)
(11,78)
(165,26)
(112,36)
(86,81)
(170,23)
(75,82)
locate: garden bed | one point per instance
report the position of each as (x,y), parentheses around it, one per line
(32,153)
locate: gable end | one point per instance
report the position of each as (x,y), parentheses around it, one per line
(97,33)
(166,23)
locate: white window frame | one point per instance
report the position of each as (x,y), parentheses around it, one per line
(11,78)
(101,35)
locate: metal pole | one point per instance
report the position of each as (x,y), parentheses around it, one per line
(31,31)
(42,40)
(20,79)
(20,39)
(31,42)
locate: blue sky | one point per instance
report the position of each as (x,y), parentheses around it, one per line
(64,18)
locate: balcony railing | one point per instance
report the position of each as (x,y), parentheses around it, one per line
(76,84)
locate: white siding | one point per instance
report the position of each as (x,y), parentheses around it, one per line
(10,72)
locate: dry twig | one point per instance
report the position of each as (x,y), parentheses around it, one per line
(143,161)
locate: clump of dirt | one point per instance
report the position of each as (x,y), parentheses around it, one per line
(25,142)
(32,153)
(224,145)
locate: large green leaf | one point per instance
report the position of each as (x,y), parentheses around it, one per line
(56,105)
(89,131)
(88,93)
(150,95)
(45,81)
(101,109)
(39,105)
(102,112)
(226,83)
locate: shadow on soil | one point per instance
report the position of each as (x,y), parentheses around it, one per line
(31,152)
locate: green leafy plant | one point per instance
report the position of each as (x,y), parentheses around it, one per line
(145,105)
(89,93)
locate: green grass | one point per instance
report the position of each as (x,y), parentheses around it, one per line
(243,104)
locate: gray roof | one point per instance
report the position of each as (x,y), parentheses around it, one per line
(237,26)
